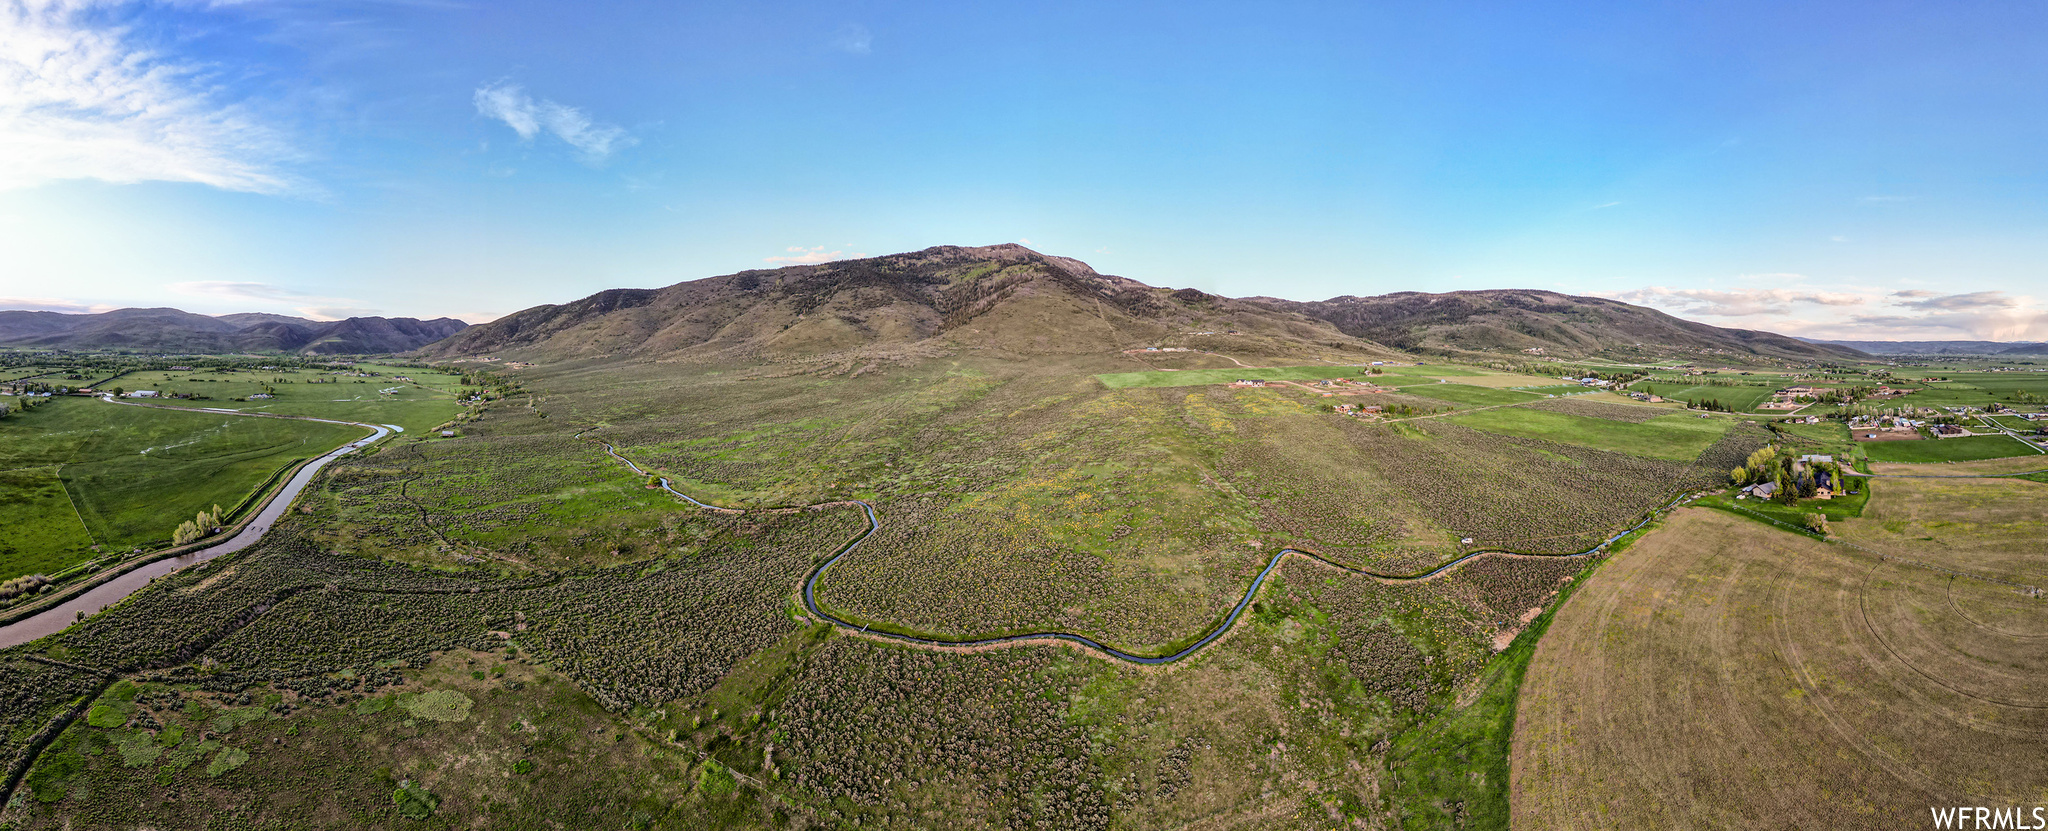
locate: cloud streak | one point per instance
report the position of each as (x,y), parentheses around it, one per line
(307,305)
(1857,313)
(1976,300)
(508,102)
(1736,302)
(800,255)
(53,304)
(854,39)
(83,99)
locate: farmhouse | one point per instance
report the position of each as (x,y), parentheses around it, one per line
(1761,491)
(1949,430)
(142,394)
(1249,382)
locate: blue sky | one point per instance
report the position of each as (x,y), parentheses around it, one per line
(1861,170)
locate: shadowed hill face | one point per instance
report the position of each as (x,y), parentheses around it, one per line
(172,330)
(1511,320)
(1004,297)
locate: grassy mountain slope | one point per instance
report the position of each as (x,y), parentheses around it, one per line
(1004,297)
(1515,320)
(1010,298)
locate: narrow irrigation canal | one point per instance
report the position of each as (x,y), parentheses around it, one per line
(61,616)
(810,585)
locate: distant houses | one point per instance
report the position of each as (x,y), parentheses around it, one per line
(1249,382)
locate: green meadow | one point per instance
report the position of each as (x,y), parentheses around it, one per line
(1203,377)
(1677,437)
(429,399)
(79,471)
(1741,399)
(1965,449)
(1470,395)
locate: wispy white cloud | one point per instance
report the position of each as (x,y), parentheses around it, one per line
(1736,302)
(1930,301)
(1605,205)
(854,39)
(799,255)
(1887,200)
(306,305)
(508,102)
(53,304)
(83,98)
(1796,307)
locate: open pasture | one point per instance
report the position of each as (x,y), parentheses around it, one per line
(1555,389)
(357,393)
(1723,673)
(44,533)
(134,473)
(1201,377)
(1676,437)
(1499,380)
(1963,449)
(1470,395)
(1741,399)
(1992,527)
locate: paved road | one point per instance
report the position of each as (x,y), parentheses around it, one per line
(58,618)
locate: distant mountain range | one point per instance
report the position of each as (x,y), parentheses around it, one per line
(1520,320)
(171,330)
(1013,299)
(1986,348)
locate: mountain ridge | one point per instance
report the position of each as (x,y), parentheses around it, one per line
(174,330)
(1984,348)
(1498,321)
(999,296)
(1009,296)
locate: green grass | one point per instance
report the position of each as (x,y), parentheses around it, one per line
(1555,389)
(1965,449)
(1466,394)
(44,534)
(1826,432)
(1678,437)
(1741,399)
(134,473)
(1202,377)
(429,400)
(1462,755)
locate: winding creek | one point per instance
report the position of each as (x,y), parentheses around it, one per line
(60,617)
